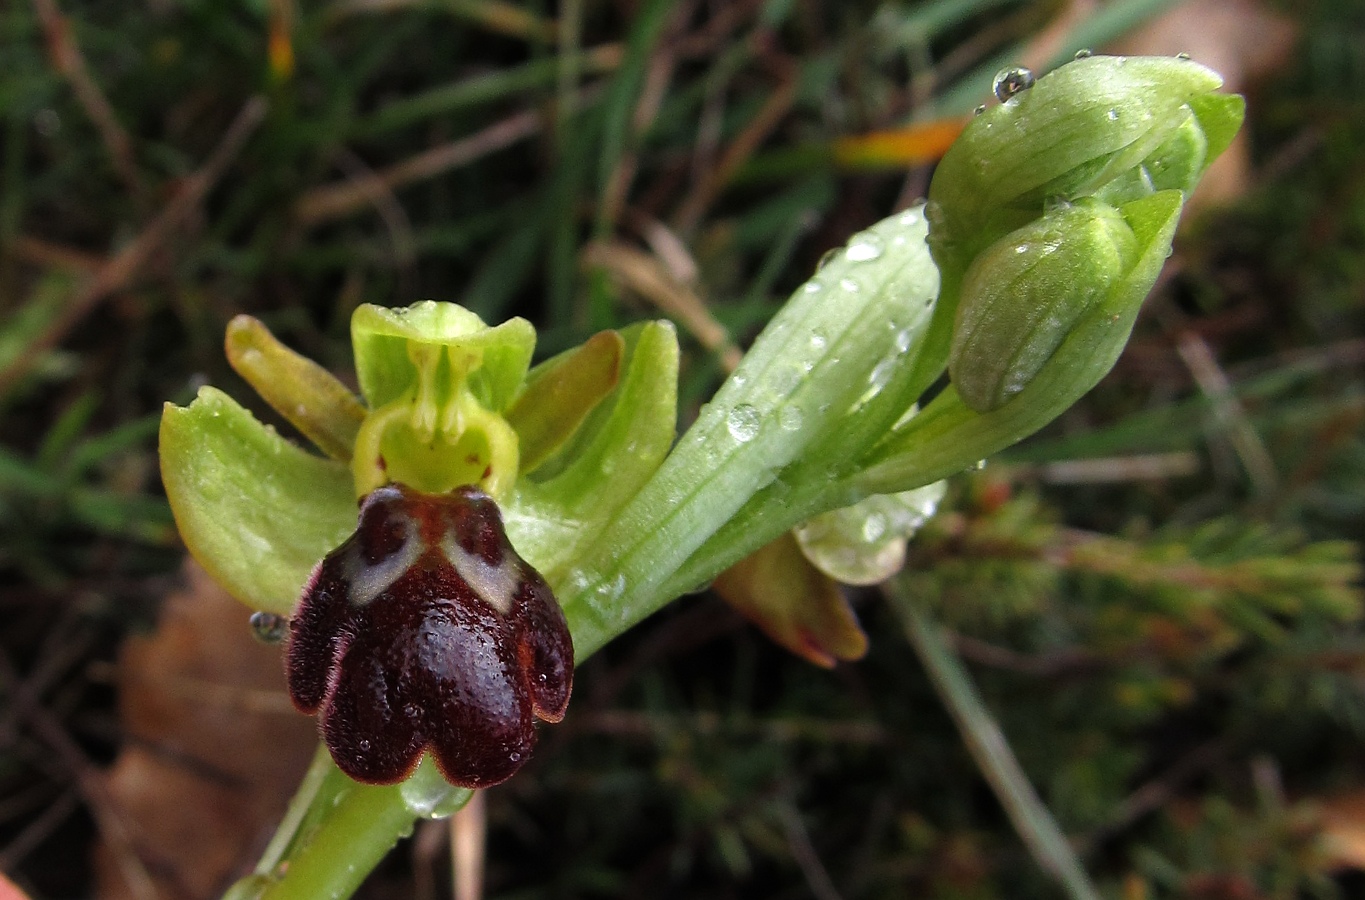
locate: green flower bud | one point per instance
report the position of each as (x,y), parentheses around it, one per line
(1079,130)
(1024,294)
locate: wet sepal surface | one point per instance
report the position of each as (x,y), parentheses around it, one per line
(426,631)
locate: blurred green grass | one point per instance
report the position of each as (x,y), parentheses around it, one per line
(1188,632)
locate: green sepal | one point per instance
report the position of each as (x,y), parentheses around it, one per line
(561,392)
(255,510)
(564,505)
(383,340)
(1220,116)
(437,380)
(308,396)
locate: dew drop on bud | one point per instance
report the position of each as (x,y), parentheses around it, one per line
(979,110)
(268,627)
(1083,53)
(1182,56)
(1012,81)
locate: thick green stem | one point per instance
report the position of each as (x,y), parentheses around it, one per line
(362,826)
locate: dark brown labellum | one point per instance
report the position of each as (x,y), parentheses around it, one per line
(426,631)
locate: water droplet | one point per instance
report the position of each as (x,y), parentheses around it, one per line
(428,795)
(909,217)
(903,340)
(980,464)
(1182,55)
(882,372)
(1113,115)
(1023,248)
(611,591)
(817,341)
(1011,82)
(1082,53)
(742,423)
(363,745)
(874,526)
(813,287)
(979,110)
(850,285)
(268,627)
(826,258)
(865,247)
(790,418)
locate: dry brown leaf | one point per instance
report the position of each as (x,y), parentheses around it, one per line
(1343,828)
(213,747)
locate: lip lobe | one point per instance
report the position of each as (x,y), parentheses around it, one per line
(426,631)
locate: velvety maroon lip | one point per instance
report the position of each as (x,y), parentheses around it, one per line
(425,631)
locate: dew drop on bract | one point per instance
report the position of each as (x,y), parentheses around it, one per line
(742,423)
(979,110)
(790,418)
(1083,53)
(1012,81)
(864,248)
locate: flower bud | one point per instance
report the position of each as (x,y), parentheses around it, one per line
(1024,294)
(1079,129)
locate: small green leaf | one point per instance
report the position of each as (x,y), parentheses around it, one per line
(1079,128)
(256,511)
(948,435)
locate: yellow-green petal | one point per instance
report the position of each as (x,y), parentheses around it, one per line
(312,399)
